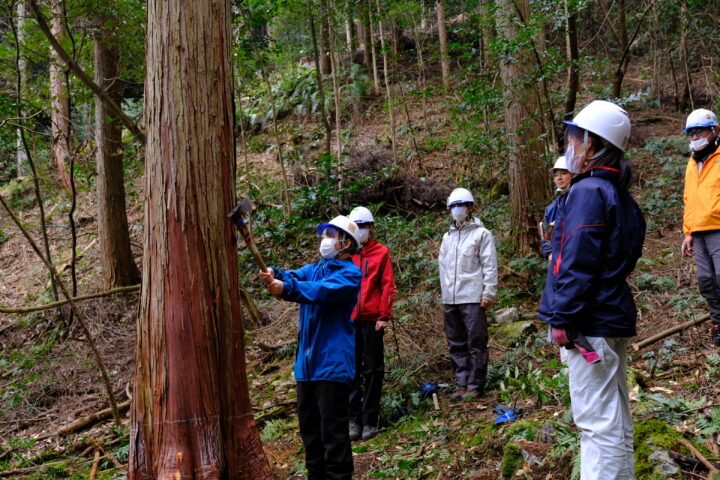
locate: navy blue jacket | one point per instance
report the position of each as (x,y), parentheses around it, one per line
(550,216)
(597,240)
(327,292)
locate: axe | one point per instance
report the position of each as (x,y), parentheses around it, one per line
(243,208)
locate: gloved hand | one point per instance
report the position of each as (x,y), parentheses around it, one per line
(560,336)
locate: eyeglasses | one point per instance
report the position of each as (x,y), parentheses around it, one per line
(696,131)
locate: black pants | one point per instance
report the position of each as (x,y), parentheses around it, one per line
(370,370)
(707,259)
(323,416)
(467,335)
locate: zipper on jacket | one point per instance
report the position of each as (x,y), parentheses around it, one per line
(457,246)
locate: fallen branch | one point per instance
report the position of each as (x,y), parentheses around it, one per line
(699,455)
(28,470)
(96,462)
(670,331)
(91,419)
(60,303)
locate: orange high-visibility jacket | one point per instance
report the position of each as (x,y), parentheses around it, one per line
(702,195)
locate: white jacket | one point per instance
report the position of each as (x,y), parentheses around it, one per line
(468,264)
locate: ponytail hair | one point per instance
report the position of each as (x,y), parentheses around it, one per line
(611,156)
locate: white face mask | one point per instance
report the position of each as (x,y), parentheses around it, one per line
(699,144)
(327,248)
(364,235)
(573,161)
(459,213)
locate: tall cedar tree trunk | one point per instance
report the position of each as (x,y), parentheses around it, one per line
(191,412)
(350,29)
(21,154)
(486,9)
(118,265)
(60,107)
(442,36)
(529,188)
(573,70)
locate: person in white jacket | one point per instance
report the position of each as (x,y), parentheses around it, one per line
(468,280)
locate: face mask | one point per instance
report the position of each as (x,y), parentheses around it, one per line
(459,213)
(699,144)
(573,161)
(327,248)
(364,235)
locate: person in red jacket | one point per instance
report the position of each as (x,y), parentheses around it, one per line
(372,313)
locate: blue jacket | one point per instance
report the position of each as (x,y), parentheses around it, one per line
(327,292)
(597,240)
(550,216)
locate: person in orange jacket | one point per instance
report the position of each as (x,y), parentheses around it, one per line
(701,219)
(372,314)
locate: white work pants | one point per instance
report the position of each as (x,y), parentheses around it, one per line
(601,409)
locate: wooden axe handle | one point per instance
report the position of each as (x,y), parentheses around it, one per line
(251,245)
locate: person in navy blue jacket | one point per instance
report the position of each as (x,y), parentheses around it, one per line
(325,361)
(561,178)
(597,240)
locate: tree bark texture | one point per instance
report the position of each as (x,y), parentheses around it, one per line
(118,265)
(21,154)
(529,186)
(191,414)
(59,99)
(442,36)
(366,34)
(573,71)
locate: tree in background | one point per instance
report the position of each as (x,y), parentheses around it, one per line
(59,98)
(529,188)
(118,264)
(191,413)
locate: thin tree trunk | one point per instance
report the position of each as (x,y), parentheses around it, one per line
(687,91)
(325,66)
(20,153)
(350,29)
(373,53)
(59,111)
(657,60)
(442,35)
(321,89)
(573,71)
(116,258)
(487,14)
(529,188)
(25,148)
(366,34)
(191,414)
(334,73)
(388,86)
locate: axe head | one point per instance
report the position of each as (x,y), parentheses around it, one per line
(240,210)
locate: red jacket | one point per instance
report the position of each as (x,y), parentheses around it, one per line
(378,283)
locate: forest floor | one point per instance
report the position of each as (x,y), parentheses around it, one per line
(48,377)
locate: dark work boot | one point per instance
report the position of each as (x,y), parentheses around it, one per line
(716,335)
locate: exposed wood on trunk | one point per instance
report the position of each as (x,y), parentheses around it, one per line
(116,258)
(529,188)
(442,36)
(59,99)
(191,412)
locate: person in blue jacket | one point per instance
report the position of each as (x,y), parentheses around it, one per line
(597,240)
(325,360)
(561,178)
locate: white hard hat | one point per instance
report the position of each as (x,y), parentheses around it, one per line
(343,223)
(361,215)
(701,118)
(460,195)
(560,163)
(606,120)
